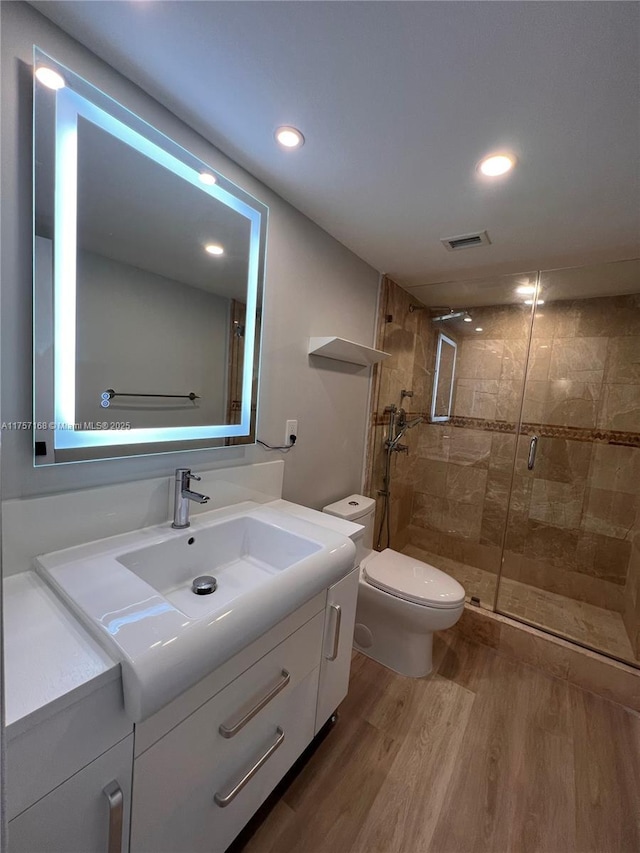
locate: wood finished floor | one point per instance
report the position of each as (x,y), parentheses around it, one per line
(485,755)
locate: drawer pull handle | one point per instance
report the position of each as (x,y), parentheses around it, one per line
(115,798)
(232,731)
(336,636)
(223,801)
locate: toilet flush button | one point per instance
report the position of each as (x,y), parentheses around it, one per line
(354,503)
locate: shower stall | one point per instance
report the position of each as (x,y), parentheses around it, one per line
(522,481)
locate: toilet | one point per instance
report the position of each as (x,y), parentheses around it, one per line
(401,600)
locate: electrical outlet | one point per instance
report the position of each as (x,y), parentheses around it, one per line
(290,429)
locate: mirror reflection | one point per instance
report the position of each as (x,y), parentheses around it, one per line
(153,304)
(147,287)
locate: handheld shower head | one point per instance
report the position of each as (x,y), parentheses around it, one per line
(415,421)
(403,426)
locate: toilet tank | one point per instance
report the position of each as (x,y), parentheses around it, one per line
(361,510)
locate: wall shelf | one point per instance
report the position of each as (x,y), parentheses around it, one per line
(341,349)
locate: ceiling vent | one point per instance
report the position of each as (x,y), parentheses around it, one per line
(466,241)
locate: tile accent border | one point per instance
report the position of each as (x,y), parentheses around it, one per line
(589,670)
(599,436)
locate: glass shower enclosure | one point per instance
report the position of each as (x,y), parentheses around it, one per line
(524,480)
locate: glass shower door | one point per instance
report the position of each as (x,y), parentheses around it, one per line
(473,338)
(571,555)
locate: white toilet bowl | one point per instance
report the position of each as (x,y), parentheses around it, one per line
(394,620)
(401,600)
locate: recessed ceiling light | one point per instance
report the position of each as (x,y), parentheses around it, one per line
(530,302)
(208,178)
(496,164)
(289,137)
(50,78)
(214,249)
(479,329)
(468,319)
(526,289)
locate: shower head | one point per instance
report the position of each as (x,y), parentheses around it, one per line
(414,422)
(452,315)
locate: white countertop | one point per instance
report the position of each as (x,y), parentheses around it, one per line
(50,660)
(348,528)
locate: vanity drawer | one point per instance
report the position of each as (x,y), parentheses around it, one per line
(183,786)
(154,728)
(296,655)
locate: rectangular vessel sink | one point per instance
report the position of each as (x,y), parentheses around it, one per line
(241,554)
(133,592)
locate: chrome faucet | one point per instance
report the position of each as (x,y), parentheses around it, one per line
(183,495)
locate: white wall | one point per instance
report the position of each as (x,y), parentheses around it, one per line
(142,333)
(314,286)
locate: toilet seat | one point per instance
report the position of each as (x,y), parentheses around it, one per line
(412,580)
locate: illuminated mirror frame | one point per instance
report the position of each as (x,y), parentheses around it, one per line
(442,338)
(70,104)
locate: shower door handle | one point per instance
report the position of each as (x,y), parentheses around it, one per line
(533,444)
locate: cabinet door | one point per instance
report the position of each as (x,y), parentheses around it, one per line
(339,623)
(78,817)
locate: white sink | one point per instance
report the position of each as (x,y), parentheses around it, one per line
(133,592)
(241,553)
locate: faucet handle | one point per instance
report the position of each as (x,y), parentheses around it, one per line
(185,474)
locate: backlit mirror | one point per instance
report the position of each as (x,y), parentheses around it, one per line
(147,285)
(443,378)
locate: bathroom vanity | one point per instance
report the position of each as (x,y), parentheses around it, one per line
(103,766)
(202,768)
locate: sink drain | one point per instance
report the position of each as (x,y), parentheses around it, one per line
(204,585)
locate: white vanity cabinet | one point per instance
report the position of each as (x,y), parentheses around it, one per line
(199,763)
(89,813)
(67,734)
(197,786)
(340,617)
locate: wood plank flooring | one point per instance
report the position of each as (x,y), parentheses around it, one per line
(483,756)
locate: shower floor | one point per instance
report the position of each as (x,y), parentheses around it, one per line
(592,626)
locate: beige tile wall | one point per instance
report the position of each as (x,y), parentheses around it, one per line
(581,507)
(410,339)
(572,521)
(460,506)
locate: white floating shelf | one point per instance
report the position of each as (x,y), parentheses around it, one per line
(342,350)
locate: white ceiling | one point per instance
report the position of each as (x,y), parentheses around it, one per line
(398,101)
